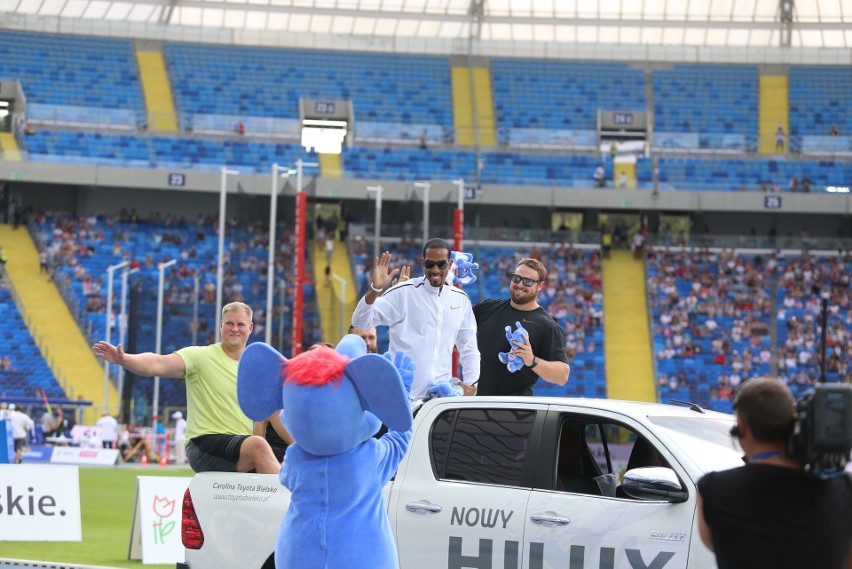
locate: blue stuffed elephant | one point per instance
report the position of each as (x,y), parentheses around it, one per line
(463,267)
(513,362)
(333,402)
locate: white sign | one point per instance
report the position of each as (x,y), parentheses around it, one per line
(39,503)
(156,533)
(81,455)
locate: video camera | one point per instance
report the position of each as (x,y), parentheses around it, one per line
(822,435)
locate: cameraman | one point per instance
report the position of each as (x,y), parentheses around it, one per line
(770,512)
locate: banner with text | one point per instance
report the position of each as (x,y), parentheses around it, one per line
(39,503)
(155,535)
(84,455)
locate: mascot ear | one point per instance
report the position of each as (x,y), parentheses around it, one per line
(259,381)
(381,390)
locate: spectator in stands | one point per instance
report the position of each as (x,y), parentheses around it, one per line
(806,184)
(770,512)
(600,176)
(109,430)
(543,352)
(606,242)
(424,311)
(6,364)
(622,180)
(833,130)
(794,184)
(241,128)
(21,426)
(219,434)
(369,337)
(4,258)
(424,140)
(780,138)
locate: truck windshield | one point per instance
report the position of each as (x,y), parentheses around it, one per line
(705,440)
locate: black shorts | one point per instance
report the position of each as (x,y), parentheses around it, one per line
(19,443)
(219,453)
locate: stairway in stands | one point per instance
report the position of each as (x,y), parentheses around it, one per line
(9,146)
(629,368)
(156,88)
(774,110)
(62,344)
(335,322)
(473,104)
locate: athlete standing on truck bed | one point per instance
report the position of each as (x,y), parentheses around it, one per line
(218,434)
(543,353)
(426,318)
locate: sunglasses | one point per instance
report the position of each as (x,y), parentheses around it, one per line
(516,278)
(432,264)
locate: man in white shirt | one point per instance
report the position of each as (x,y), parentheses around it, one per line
(109,430)
(426,319)
(180,437)
(21,425)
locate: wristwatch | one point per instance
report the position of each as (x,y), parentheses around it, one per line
(535,362)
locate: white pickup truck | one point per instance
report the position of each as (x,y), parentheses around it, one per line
(511,483)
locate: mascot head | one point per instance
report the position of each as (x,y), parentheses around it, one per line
(330,400)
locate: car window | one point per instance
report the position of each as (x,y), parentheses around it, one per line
(593,455)
(481,445)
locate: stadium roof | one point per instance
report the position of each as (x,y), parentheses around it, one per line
(730,23)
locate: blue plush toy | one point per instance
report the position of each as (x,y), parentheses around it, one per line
(448,388)
(513,362)
(333,402)
(463,267)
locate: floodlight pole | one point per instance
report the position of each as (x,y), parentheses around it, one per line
(122,330)
(270,268)
(378,230)
(223,194)
(159,338)
(425,186)
(110,271)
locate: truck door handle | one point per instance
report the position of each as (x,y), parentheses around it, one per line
(549,520)
(423,507)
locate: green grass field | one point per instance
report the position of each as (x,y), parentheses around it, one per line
(106,502)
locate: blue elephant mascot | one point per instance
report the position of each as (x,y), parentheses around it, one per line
(333,401)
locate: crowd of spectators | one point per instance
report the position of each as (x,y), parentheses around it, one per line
(710,321)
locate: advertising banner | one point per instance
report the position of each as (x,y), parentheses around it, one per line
(155,534)
(84,455)
(39,503)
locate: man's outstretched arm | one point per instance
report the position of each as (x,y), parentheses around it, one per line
(146,364)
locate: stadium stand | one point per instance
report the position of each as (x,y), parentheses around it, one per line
(81,249)
(555,103)
(819,100)
(706,106)
(23,370)
(393,96)
(710,319)
(73,80)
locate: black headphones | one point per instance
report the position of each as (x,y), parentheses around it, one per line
(735,431)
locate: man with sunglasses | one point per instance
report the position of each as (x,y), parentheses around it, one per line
(543,353)
(426,318)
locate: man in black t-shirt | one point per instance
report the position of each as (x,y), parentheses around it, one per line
(543,354)
(770,512)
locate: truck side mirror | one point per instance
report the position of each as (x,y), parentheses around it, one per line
(654,483)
